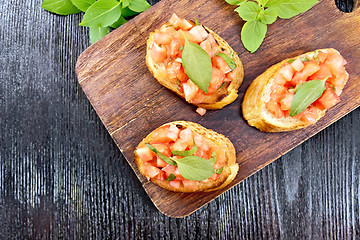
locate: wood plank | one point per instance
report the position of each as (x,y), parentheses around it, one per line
(131,103)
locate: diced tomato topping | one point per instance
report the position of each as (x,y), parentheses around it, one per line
(323,72)
(340,80)
(175,183)
(181,23)
(309,69)
(158,53)
(145,153)
(278,89)
(173,48)
(163,148)
(275,109)
(220,63)
(285,102)
(173,132)
(335,62)
(220,157)
(329,98)
(173,69)
(287,72)
(162,38)
(297,65)
(214,177)
(181,76)
(190,90)
(201,111)
(160,163)
(170,30)
(199,33)
(206,45)
(187,136)
(161,134)
(309,116)
(179,145)
(169,170)
(279,80)
(322,56)
(217,78)
(212,41)
(231,75)
(201,142)
(152,171)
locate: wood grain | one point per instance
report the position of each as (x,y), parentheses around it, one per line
(63,177)
(130,103)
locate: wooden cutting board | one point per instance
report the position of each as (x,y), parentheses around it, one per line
(130,103)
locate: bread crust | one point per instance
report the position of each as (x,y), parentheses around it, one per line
(218,99)
(258,93)
(229,171)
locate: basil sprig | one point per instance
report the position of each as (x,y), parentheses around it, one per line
(259,13)
(170,177)
(197,65)
(100,15)
(228,60)
(306,94)
(191,167)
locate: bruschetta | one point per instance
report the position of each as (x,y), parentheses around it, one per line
(165,48)
(183,156)
(311,82)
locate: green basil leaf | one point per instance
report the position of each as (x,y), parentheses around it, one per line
(125,3)
(252,35)
(185,153)
(196,22)
(61,7)
(162,156)
(263,2)
(126,12)
(228,60)
(290,8)
(96,33)
(197,65)
(119,22)
(213,157)
(268,16)
(195,168)
(138,5)
(291,60)
(235,2)
(304,59)
(307,93)
(219,171)
(171,177)
(102,13)
(83,5)
(316,54)
(248,11)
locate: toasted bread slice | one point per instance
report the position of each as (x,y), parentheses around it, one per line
(215,140)
(217,100)
(258,94)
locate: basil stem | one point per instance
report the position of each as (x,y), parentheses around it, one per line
(162,156)
(219,171)
(228,60)
(185,153)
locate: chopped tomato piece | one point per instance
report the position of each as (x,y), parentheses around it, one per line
(201,111)
(335,62)
(175,183)
(220,157)
(212,41)
(151,171)
(173,69)
(180,145)
(297,65)
(323,72)
(287,71)
(231,75)
(199,33)
(173,132)
(322,56)
(187,136)
(214,177)
(329,98)
(161,134)
(217,78)
(203,153)
(309,69)
(162,38)
(286,101)
(181,23)
(274,108)
(170,30)
(181,76)
(145,153)
(279,80)
(160,163)
(206,45)
(278,89)
(309,116)
(158,53)
(190,90)
(340,80)
(163,148)
(220,63)
(174,48)
(169,170)
(201,142)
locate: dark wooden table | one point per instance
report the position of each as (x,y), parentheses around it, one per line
(61,175)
